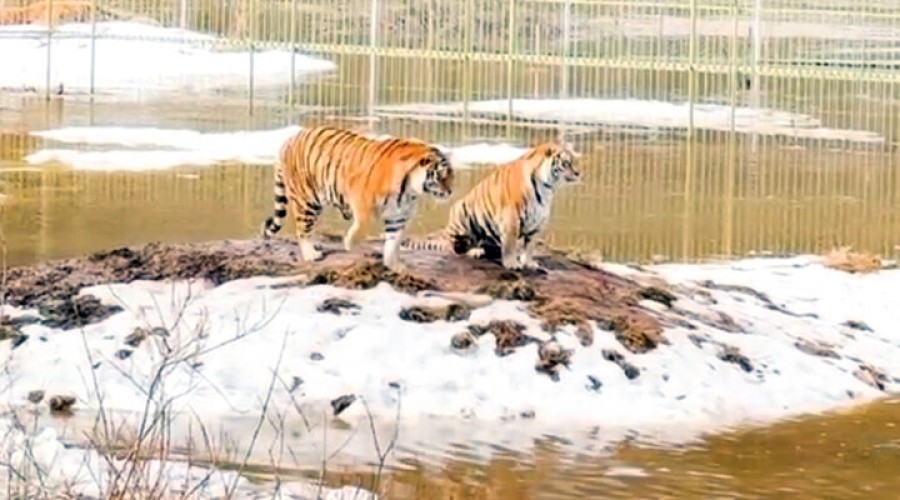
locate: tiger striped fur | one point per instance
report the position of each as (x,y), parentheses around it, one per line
(364,178)
(507,209)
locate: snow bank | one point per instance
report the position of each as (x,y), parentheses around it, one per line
(645,113)
(38,461)
(174,147)
(235,336)
(137,58)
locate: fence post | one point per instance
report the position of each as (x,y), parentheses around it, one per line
(373,60)
(564,63)
(687,226)
(510,53)
(757,55)
(467,62)
(293,23)
(49,50)
(728,230)
(252,62)
(93,47)
(182,14)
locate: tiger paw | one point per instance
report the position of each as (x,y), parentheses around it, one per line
(396,266)
(309,253)
(512,264)
(475,253)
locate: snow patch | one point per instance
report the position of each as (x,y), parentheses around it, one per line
(133,58)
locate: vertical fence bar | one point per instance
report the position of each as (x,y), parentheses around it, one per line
(467,63)
(689,143)
(510,53)
(93,48)
(728,229)
(251,26)
(757,56)
(49,50)
(182,14)
(373,60)
(564,62)
(293,24)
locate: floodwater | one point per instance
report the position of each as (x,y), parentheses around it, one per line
(643,198)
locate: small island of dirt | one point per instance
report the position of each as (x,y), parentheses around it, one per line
(568,292)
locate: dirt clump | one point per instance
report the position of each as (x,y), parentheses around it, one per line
(631,372)
(857,325)
(551,356)
(137,336)
(871,376)
(508,335)
(429,314)
(731,354)
(61,405)
(637,333)
(657,294)
(816,349)
(341,403)
(338,306)
(509,290)
(463,340)
(35,396)
(365,275)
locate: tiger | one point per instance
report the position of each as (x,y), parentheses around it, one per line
(507,209)
(362,177)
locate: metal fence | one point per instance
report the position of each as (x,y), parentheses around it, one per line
(708,126)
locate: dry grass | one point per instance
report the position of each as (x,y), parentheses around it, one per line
(845,259)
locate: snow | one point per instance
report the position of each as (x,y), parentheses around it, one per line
(173,147)
(133,58)
(646,113)
(38,461)
(234,337)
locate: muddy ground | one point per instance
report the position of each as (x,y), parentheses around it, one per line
(569,292)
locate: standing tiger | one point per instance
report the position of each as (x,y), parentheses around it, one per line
(507,209)
(364,178)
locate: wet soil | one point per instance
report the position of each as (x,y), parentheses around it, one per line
(566,292)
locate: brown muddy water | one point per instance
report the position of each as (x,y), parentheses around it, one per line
(642,199)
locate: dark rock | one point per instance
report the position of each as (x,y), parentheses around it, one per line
(730,354)
(341,403)
(335,305)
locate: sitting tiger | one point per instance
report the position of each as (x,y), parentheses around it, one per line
(507,209)
(362,177)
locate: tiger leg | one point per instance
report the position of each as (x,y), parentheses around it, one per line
(394,228)
(358,229)
(527,253)
(306,215)
(509,241)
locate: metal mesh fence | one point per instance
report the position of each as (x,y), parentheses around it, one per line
(708,126)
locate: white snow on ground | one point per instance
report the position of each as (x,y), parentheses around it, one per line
(230,339)
(646,113)
(38,462)
(189,147)
(137,58)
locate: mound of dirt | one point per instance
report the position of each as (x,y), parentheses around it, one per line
(569,292)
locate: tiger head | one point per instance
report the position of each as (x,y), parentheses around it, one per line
(436,173)
(558,165)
